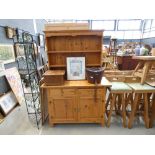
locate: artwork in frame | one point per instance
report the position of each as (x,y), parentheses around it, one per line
(14,80)
(19,50)
(10,32)
(7,53)
(8,102)
(41,40)
(75,68)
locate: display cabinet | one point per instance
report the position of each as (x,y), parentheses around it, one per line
(77,43)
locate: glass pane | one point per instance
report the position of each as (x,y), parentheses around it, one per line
(105,25)
(146,35)
(129,24)
(153,23)
(132,35)
(152,34)
(147,24)
(108,33)
(82,21)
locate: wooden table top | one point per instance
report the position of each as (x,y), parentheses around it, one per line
(81,84)
(147,58)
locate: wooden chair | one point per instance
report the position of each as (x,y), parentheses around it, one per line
(121,91)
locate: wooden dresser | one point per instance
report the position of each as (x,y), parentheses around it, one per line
(76,102)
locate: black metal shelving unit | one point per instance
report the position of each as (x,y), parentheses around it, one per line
(27,67)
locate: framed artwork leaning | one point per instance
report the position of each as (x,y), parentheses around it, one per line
(8,102)
(7,54)
(75,68)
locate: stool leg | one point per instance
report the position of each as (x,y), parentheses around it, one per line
(152,111)
(146,116)
(107,103)
(131,118)
(111,109)
(124,111)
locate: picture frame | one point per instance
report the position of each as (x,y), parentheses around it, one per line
(41,40)
(19,50)
(10,32)
(7,54)
(8,102)
(75,68)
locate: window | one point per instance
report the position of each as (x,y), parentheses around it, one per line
(104,25)
(129,24)
(147,25)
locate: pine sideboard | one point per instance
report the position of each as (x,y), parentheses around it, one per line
(76,102)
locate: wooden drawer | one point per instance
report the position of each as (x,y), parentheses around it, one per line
(90,92)
(61,92)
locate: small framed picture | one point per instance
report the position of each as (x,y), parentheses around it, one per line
(10,32)
(75,68)
(41,40)
(7,54)
(8,102)
(19,50)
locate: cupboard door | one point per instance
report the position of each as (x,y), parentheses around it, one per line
(62,110)
(90,109)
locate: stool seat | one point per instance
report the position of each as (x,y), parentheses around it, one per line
(137,87)
(120,87)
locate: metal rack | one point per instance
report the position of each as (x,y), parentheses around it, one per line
(27,67)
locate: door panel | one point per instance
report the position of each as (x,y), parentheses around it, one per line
(62,109)
(89,108)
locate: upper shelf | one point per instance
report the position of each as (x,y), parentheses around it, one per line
(74,33)
(82,51)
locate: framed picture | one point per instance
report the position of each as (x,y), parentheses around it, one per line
(14,80)
(8,102)
(7,53)
(75,68)
(10,32)
(19,50)
(41,40)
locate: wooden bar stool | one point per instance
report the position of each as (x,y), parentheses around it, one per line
(121,91)
(140,92)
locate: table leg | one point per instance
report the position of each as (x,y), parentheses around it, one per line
(137,67)
(146,68)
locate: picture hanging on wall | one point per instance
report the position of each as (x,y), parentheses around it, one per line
(75,68)
(10,32)
(19,50)
(7,53)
